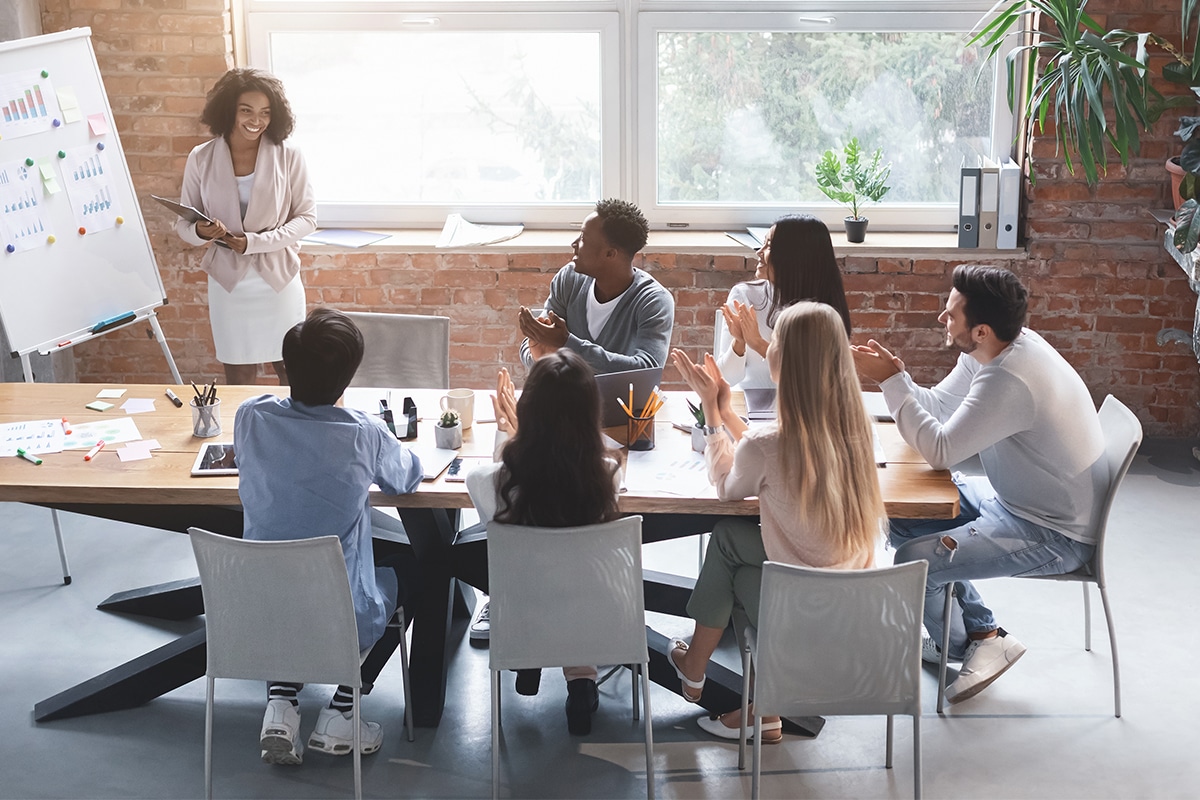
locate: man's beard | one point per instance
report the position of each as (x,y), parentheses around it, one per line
(963,343)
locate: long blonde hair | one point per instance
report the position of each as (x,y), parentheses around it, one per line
(825,439)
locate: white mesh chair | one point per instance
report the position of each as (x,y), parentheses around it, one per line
(263,601)
(1122,436)
(403,351)
(836,642)
(565,597)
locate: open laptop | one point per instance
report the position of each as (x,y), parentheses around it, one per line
(760,403)
(616,384)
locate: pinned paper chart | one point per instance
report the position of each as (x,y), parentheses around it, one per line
(27,103)
(37,436)
(23,219)
(112,430)
(90,187)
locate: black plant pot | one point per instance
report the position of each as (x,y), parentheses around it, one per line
(856,229)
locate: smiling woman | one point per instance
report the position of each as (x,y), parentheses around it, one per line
(255,192)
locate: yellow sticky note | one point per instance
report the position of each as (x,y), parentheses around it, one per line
(68,104)
(98,124)
(47,170)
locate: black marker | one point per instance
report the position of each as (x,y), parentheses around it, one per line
(178,403)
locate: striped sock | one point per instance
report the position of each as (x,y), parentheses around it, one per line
(343,699)
(284,691)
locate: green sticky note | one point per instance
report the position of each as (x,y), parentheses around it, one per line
(99,405)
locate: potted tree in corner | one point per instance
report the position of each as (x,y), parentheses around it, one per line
(853,182)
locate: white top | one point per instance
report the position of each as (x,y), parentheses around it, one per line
(598,313)
(747,371)
(753,468)
(1030,419)
(244,183)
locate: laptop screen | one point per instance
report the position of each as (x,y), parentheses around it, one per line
(615,385)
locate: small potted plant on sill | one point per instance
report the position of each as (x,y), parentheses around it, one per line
(852,183)
(447,434)
(698,428)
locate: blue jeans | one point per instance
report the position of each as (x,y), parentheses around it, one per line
(984,541)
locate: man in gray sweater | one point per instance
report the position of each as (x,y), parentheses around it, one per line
(614,315)
(1014,401)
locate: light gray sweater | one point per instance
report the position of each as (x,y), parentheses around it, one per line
(1028,416)
(636,336)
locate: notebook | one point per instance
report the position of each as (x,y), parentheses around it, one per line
(616,384)
(760,403)
(434,460)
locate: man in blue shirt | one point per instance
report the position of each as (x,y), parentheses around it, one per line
(305,467)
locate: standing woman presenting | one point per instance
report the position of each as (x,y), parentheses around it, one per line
(255,190)
(796,262)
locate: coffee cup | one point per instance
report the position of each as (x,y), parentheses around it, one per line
(462,401)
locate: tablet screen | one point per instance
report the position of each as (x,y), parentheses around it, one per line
(215,458)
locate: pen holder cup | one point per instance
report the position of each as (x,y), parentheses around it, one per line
(640,433)
(206,419)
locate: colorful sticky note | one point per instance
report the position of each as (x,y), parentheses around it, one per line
(99,405)
(69,105)
(98,124)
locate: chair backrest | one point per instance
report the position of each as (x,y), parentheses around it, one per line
(566,596)
(1122,436)
(408,351)
(277,610)
(840,641)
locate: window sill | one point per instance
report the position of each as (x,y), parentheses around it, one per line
(878,244)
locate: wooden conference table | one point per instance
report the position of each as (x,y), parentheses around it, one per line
(160,492)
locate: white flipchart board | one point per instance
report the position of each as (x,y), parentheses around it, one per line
(74,251)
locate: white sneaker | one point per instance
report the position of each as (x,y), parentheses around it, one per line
(280,737)
(481,628)
(334,733)
(930,652)
(984,661)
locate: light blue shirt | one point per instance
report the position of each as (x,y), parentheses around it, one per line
(305,471)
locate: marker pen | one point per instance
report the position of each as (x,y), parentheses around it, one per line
(92,453)
(178,403)
(31,459)
(66,425)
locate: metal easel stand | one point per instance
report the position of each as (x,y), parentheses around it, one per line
(148,315)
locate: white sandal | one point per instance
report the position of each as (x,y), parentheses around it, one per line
(696,686)
(717,727)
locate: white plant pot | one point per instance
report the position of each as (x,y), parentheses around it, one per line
(698,442)
(448,438)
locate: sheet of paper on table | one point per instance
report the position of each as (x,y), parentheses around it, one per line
(657,470)
(113,430)
(138,405)
(33,436)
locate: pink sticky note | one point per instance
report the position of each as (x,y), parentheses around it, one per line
(98,124)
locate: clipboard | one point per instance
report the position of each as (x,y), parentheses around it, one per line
(188,213)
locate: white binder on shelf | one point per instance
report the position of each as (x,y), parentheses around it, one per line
(968,207)
(989,200)
(1010,205)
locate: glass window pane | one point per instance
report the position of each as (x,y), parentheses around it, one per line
(743,117)
(445,117)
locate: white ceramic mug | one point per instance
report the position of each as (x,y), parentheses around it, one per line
(462,401)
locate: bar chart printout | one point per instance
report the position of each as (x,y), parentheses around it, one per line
(90,188)
(24,220)
(28,104)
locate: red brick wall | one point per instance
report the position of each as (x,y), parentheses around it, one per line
(1102,285)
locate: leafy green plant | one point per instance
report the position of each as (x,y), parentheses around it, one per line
(697,412)
(449,418)
(1187,227)
(855,181)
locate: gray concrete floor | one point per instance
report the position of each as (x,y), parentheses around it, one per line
(1045,729)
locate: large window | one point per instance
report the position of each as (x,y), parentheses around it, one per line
(529,112)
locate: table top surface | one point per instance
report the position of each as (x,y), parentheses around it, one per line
(911,488)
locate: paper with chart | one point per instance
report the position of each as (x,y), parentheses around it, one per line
(656,470)
(34,436)
(90,187)
(29,104)
(113,430)
(24,223)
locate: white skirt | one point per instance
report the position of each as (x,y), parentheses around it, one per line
(248,324)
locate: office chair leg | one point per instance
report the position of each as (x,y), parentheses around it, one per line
(946,613)
(357,722)
(404,673)
(1112,644)
(891,722)
(917,756)
(742,719)
(635,672)
(754,782)
(1087,618)
(62,548)
(208,737)
(495,734)
(649,733)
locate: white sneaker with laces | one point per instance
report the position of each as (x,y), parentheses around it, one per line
(481,628)
(334,733)
(984,661)
(930,652)
(280,737)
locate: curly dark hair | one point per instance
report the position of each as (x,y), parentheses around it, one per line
(555,472)
(623,224)
(220,107)
(995,297)
(805,267)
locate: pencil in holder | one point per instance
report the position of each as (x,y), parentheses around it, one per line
(640,433)
(206,419)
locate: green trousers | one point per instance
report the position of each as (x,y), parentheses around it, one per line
(732,573)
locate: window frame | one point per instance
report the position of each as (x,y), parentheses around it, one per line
(628,69)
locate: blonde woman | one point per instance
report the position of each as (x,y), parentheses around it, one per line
(813,472)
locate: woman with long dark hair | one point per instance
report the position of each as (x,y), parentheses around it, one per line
(796,262)
(553,471)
